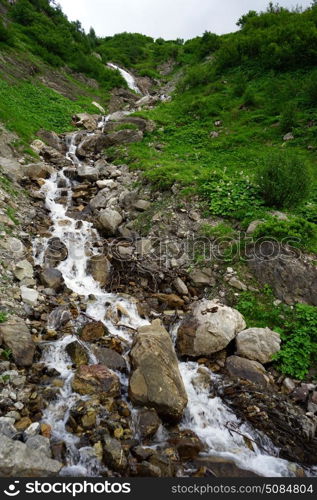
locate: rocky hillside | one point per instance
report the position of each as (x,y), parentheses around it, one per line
(154,321)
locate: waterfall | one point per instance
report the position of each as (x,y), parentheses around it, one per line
(207,416)
(127,77)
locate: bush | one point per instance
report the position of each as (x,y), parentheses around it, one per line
(311,89)
(300,342)
(296,231)
(284,180)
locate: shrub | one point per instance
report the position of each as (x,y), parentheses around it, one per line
(311,89)
(3,317)
(284,180)
(230,196)
(300,342)
(296,231)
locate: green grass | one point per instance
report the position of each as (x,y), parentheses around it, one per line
(27,107)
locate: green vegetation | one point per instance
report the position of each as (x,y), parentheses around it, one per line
(297,327)
(3,317)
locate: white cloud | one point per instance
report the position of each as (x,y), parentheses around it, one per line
(169,19)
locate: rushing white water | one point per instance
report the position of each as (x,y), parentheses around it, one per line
(207,416)
(127,77)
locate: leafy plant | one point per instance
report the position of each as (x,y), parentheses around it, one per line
(284,180)
(3,316)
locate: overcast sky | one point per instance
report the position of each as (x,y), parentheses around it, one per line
(169,19)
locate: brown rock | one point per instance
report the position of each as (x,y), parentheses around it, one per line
(93,331)
(96,379)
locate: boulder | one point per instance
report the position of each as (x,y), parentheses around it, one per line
(38,171)
(93,331)
(87,173)
(180,286)
(125,136)
(113,455)
(52,278)
(77,353)
(155,380)
(141,123)
(29,295)
(258,344)
(23,270)
(208,328)
(292,276)
(110,358)
(100,269)
(51,139)
(87,121)
(96,379)
(19,460)
(148,423)
(202,277)
(56,251)
(187,444)
(93,144)
(141,205)
(246,369)
(41,444)
(7,427)
(110,220)
(15,335)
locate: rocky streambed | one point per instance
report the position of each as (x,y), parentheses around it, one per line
(117,363)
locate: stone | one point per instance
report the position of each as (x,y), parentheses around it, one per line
(100,269)
(77,353)
(113,455)
(16,336)
(7,427)
(208,328)
(222,467)
(155,380)
(90,174)
(288,137)
(180,286)
(29,295)
(93,331)
(172,300)
(23,424)
(258,344)
(51,139)
(19,460)
(38,171)
(94,103)
(52,278)
(246,369)
(107,183)
(56,251)
(288,385)
(236,283)
(148,423)
(141,205)
(187,444)
(41,444)
(292,277)
(110,358)
(110,220)
(125,136)
(87,121)
(23,270)
(202,277)
(253,226)
(32,430)
(96,379)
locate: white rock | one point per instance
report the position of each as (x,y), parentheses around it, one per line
(180,286)
(29,296)
(94,103)
(23,269)
(258,344)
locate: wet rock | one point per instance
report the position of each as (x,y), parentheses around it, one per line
(113,455)
(93,331)
(56,251)
(146,469)
(110,220)
(16,336)
(19,460)
(77,353)
(59,317)
(148,423)
(258,344)
(29,295)
(41,444)
(156,381)
(110,358)
(222,467)
(187,444)
(208,328)
(202,277)
(23,270)
(32,430)
(94,379)
(52,278)
(100,269)
(247,369)
(292,277)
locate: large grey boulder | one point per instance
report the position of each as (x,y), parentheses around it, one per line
(110,220)
(246,369)
(208,328)
(125,136)
(19,460)
(155,380)
(258,344)
(15,335)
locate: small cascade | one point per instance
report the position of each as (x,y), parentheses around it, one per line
(127,77)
